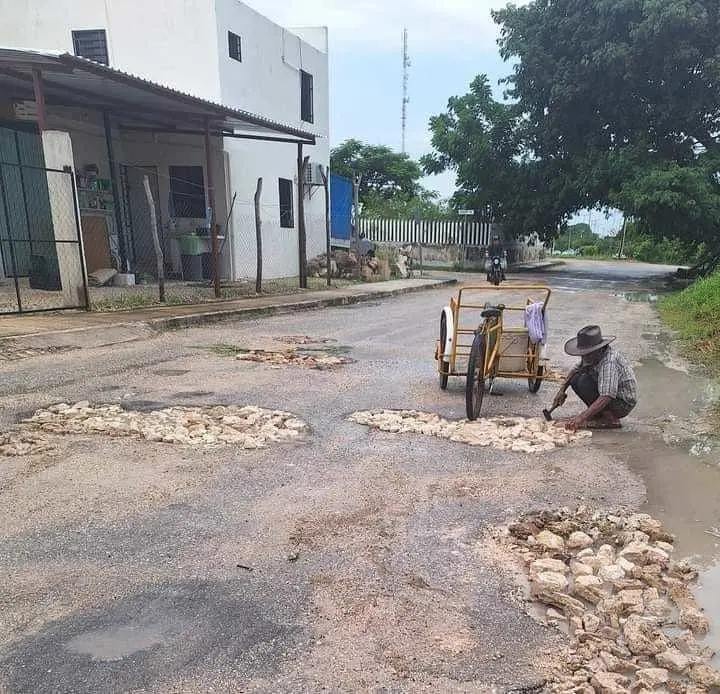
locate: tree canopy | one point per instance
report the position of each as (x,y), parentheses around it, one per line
(383,171)
(481,139)
(611,103)
(390,181)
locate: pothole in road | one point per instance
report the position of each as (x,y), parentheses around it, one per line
(11,352)
(304,340)
(320,358)
(516,434)
(247,427)
(188,394)
(608,581)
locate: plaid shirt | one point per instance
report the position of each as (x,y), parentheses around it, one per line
(615,377)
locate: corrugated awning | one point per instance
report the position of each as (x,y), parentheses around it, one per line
(133,101)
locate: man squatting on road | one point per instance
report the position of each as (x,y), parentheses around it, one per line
(604,380)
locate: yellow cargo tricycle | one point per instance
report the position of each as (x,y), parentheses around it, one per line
(484,340)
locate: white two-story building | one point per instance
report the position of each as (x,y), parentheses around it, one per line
(174,87)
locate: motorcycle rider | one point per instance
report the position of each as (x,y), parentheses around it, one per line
(495,250)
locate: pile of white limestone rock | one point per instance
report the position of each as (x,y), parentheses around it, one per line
(248,427)
(516,434)
(609,581)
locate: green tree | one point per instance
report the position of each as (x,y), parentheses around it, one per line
(426,205)
(384,172)
(620,97)
(483,141)
(576,236)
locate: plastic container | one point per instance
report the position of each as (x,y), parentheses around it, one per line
(207,266)
(191,267)
(124,279)
(514,348)
(190,244)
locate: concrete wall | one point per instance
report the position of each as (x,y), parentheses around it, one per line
(171,42)
(280,245)
(57,149)
(267,81)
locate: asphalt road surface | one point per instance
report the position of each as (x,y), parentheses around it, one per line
(355,561)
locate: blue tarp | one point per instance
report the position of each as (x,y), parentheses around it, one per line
(341,193)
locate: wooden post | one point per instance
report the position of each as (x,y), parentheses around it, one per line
(156,239)
(122,241)
(326,185)
(258,238)
(302,236)
(210,185)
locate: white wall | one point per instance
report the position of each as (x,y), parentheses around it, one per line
(267,82)
(315,36)
(187,48)
(173,43)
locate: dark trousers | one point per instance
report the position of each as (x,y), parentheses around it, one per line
(586,388)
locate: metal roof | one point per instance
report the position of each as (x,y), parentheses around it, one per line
(73,81)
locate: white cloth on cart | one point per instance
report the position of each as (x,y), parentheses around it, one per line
(536,323)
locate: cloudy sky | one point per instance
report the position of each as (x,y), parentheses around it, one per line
(450,42)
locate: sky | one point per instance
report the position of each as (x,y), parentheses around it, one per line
(449,42)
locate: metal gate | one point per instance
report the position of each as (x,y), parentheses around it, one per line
(42,265)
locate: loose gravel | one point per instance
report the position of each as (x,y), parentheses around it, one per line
(248,427)
(609,581)
(516,434)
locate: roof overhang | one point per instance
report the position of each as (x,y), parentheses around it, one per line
(133,102)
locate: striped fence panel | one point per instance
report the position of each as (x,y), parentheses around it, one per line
(426,232)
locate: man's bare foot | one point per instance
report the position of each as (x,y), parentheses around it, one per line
(605,420)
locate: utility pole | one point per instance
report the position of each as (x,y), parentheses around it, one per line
(405,98)
(355,242)
(622,239)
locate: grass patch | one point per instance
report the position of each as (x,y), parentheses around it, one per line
(695,314)
(223,349)
(106,299)
(124,302)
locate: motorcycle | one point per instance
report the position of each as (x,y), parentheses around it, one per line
(495,267)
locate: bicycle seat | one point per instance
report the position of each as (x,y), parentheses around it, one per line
(491,312)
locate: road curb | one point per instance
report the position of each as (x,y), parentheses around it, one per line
(129,328)
(239,313)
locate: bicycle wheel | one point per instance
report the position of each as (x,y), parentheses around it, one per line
(475,379)
(535,383)
(444,365)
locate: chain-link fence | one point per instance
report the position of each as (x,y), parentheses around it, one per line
(185,244)
(41,263)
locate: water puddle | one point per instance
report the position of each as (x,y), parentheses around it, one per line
(665,445)
(642,296)
(684,493)
(116,643)
(673,401)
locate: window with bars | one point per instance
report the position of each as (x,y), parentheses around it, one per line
(286,203)
(91,44)
(306,97)
(235,46)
